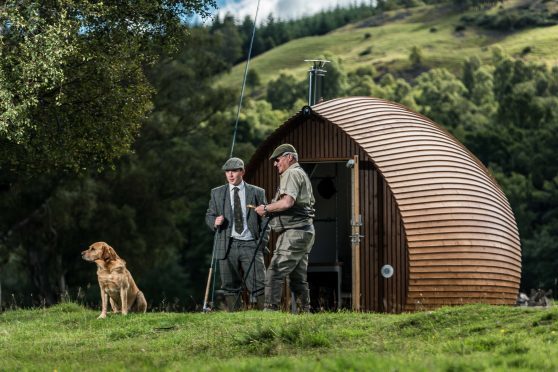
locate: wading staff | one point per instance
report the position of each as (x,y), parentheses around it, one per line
(205,307)
(258,244)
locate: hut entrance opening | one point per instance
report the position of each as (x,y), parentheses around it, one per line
(329,262)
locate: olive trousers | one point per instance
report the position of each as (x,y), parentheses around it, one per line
(290,258)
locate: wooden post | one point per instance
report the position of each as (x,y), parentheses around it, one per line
(355,235)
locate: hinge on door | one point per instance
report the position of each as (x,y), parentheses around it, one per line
(355,237)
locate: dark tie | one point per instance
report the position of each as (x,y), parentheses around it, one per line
(238,223)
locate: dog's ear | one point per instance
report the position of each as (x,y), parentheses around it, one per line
(108,253)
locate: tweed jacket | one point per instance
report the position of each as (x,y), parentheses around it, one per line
(220,204)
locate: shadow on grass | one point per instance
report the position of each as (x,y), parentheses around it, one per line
(269,340)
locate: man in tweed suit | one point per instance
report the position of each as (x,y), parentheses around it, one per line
(238,230)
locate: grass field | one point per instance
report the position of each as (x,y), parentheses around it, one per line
(388,45)
(478,337)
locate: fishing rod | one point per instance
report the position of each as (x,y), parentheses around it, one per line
(244,80)
(205,305)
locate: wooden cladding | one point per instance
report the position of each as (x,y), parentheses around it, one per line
(429,208)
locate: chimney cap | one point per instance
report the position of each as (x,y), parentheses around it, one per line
(318,63)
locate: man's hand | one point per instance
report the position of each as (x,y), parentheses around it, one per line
(281,205)
(219,221)
(260,210)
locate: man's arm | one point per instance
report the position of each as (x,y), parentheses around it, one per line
(211,216)
(280,205)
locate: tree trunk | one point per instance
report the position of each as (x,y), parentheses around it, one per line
(38,263)
(62,286)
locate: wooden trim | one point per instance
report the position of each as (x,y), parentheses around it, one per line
(356,235)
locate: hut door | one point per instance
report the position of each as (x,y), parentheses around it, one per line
(329,262)
(355,232)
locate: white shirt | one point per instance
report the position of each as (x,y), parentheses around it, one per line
(246,234)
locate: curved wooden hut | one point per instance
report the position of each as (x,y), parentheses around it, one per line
(407,218)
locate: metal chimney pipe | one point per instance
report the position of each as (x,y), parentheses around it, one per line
(315,75)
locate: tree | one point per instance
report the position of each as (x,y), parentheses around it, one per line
(260,120)
(361,85)
(246,29)
(283,92)
(416,57)
(441,96)
(229,39)
(253,78)
(470,66)
(72,85)
(335,81)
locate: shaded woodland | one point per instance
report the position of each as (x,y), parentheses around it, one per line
(122,132)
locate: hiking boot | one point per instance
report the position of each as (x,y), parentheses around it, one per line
(233,303)
(260,303)
(271,307)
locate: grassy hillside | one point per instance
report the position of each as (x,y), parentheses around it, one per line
(479,337)
(386,43)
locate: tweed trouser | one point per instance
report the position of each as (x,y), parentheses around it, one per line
(290,258)
(240,255)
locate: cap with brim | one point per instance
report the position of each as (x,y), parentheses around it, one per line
(281,149)
(232,164)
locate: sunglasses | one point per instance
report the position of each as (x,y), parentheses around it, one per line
(279,157)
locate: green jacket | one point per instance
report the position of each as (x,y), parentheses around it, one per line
(294,182)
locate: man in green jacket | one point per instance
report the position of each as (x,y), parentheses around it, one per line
(292,209)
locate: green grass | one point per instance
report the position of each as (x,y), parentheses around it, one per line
(478,337)
(390,45)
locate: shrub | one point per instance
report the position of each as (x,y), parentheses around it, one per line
(416,57)
(513,19)
(526,50)
(365,51)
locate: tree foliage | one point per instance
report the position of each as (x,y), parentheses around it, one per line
(72,86)
(531,14)
(283,91)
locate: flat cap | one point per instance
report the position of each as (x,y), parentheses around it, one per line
(281,149)
(232,164)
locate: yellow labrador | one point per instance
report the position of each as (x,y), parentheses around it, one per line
(115,281)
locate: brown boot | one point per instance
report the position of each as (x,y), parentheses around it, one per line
(271,307)
(305,307)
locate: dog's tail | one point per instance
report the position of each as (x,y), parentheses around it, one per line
(140,304)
